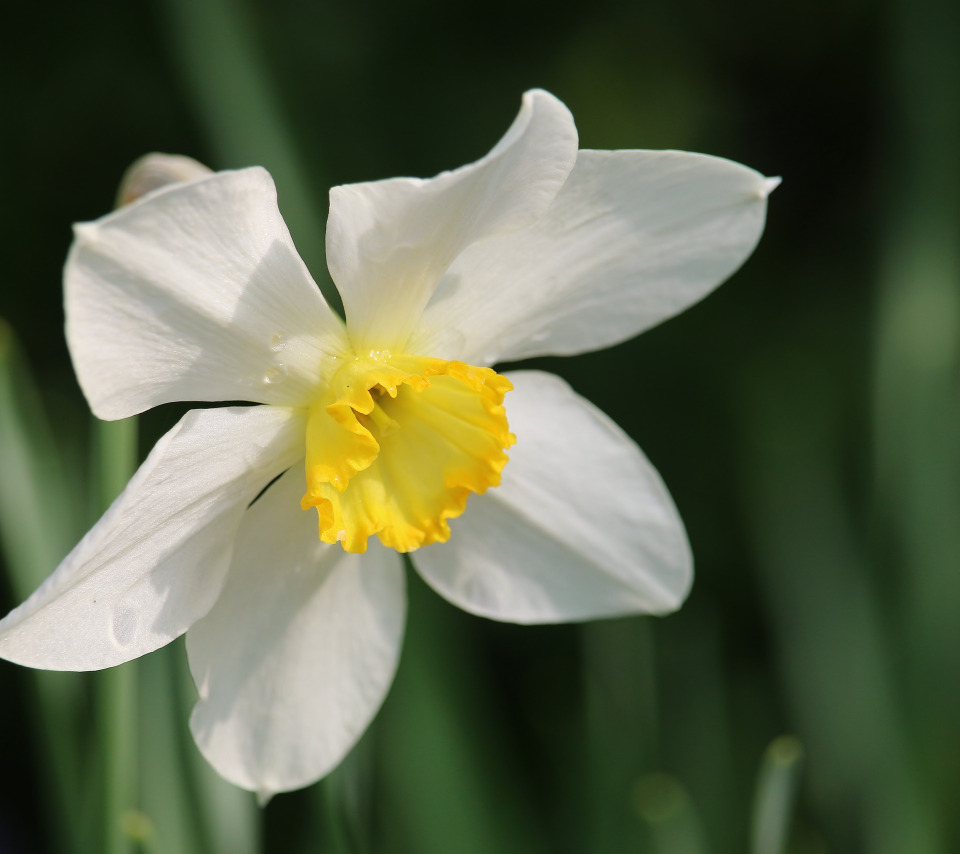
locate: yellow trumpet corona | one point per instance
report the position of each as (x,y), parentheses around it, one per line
(396,445)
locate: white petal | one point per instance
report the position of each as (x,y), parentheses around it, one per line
(633,238)
(389,242)
(156,561)
(297,655)
(195,292)
(581,527)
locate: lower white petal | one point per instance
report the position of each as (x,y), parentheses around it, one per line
(156,561)
(633,238)
(581,527)
(297,655)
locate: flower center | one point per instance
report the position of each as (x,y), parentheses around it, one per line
(397,444)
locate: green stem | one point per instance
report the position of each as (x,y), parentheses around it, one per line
(117,718)
(37,527)
(776,791)
(664,808)
(116,455)
(917,406)
(214,44)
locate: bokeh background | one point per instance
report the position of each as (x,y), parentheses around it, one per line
(804,417)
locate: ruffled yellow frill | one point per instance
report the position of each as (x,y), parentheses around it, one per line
(397,444)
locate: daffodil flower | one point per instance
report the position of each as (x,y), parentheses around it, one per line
(272,533)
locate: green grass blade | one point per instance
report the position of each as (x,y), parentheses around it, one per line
(664,808)
(215,46)
(38,525)
(776,791)
(115,453)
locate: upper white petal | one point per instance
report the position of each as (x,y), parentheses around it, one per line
(581,526)
(633,238)
(156,561)
(297,655)
(389,242)
(195,292)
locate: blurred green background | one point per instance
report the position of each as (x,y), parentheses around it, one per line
(804,417)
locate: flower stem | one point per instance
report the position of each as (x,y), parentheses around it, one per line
(37,526)
(235,101)
(116,455)
(776,792)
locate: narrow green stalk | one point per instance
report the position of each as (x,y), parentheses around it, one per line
(226,818)
(116,455)
(664,807)
(330,795)
(917,392)
(776,791)
(38,498)
(38,504)
(349,797)
(448,780)
(117,724)
(167,797)
(620,704)
(214,43)
(833,643)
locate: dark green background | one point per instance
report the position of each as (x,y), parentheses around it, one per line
(804,416)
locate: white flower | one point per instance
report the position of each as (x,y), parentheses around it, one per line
(385,424)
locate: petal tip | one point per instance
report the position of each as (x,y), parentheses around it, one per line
(680,596)
(84,233)
(769,185)
(536,93)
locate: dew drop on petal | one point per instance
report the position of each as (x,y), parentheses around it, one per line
(275,374)
(278,342)
(124,626)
